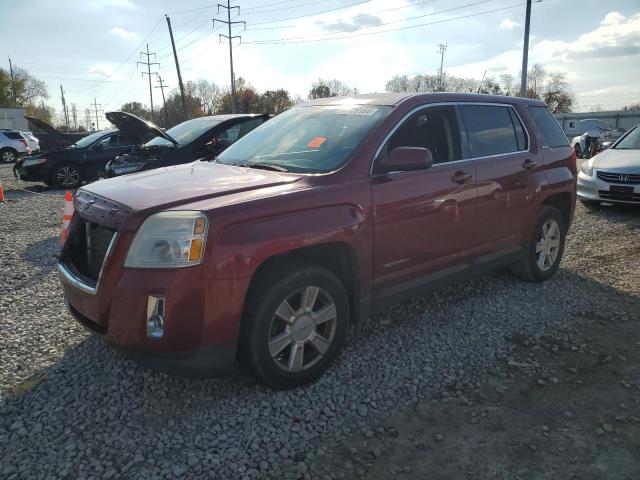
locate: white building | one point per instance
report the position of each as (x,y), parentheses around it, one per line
(13,118)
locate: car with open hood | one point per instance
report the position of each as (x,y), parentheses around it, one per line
(330,211)
(198,138)
(69,164)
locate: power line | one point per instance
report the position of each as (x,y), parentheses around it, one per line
(354,29)
(312,14)
(411,5)
(162,86)
(287,8)
(322,39)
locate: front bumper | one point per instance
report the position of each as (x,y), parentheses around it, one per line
(201,316)
(34,173)
(595,189)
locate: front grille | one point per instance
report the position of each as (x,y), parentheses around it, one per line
(607,195)
(86,250)
(616,177)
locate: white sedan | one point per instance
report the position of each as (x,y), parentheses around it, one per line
(613,175)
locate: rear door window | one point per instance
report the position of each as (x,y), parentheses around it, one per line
(491,130)
(549,127)
(13,135)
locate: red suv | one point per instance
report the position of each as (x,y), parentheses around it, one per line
(327,213)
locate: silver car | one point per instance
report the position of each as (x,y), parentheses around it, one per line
(614,174)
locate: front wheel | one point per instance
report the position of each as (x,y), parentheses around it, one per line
(67,176)
(295,324)
(545,249)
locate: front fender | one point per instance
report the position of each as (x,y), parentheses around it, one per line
(241,248)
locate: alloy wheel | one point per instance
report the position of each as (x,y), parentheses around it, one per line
(8,156)
(68,176)
(302,329)
(548,245)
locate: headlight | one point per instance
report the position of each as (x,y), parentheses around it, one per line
(125,168)
(168,240)
(33,161)
(587,168)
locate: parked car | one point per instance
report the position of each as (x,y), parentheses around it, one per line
(12,145)
(328,212)
(199,138)
(68,165)
(32,141)
(614,174)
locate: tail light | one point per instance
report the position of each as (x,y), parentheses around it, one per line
(23,141)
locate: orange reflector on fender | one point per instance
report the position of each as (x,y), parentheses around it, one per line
(195,252)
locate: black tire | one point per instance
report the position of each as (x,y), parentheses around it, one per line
(72,180)
(8,155)
(528,269)
(275,285)
(578,150)
(591,204)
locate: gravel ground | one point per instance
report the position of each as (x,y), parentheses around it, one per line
(71,407)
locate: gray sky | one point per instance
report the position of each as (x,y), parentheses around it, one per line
(91,47)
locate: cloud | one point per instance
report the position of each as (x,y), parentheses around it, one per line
(354,23)
(617,36)
(122,33)
(508,24)
(101,71)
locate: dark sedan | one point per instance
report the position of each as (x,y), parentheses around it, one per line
(199,138)
(68,165)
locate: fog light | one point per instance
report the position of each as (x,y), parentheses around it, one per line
(155,316)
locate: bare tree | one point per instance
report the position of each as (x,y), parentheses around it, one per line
(506,81)
(536,77)
(330,88)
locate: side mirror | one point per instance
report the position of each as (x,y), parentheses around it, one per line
(403,159)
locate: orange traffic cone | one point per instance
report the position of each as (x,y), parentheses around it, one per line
(66,217)
(1,193)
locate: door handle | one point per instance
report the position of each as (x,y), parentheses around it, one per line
(461,177)
(528,164)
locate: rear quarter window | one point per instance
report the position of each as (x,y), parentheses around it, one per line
(13,135)
(549,127)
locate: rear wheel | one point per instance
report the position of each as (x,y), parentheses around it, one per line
(545,249)
(295,325)
(8,155)
(67,175)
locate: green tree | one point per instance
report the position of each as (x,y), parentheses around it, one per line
(274,101)
(135,108)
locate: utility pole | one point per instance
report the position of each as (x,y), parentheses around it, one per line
(74,115)
(64,109)
(162,86)
(148,72)
(442,47)
(525,52)
(175,57)
(228,22)
(13,85)
(95,108)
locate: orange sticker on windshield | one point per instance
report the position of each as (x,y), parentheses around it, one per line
(315,142)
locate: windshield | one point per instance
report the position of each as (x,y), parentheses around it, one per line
(185,132)
(631,141)
(312,139)
(89,139)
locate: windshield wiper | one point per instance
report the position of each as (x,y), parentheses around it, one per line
(267,166)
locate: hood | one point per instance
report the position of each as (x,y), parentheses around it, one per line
(615,159)
(135,128)
(56,135)
(170,186)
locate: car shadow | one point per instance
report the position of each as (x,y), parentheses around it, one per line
(94,396)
